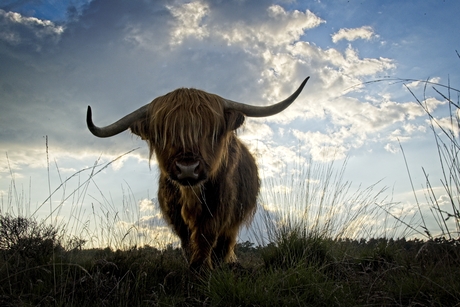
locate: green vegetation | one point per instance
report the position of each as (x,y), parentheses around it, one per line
(299,270)
(325,250)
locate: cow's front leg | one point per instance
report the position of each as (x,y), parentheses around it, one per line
(223,251)
(201,245)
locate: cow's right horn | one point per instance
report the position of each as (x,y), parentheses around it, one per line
(118,126)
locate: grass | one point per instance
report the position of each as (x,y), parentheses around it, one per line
(324,251)
(448,147)
(298,271)
(308,259)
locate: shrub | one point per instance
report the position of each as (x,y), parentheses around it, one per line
(25,241)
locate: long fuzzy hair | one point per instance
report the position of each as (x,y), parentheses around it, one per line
(192,125)
(181,118)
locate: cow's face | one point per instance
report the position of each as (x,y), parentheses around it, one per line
(189,131)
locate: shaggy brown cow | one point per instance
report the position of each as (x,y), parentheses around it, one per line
(208,179)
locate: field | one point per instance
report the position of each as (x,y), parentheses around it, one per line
(297,270)
(314,255)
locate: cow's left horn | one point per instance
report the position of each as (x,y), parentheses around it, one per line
(255,111)
(118,126)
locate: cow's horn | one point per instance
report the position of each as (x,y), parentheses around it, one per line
(255,111)
(118,126)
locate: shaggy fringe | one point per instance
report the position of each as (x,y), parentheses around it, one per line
(172,115)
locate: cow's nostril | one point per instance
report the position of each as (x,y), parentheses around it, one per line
(187,170)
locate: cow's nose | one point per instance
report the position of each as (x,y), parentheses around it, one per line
(187,170)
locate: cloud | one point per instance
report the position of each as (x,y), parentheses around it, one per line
(264,40)
(274,159)
(281,60)
(100,53)
(365,32)
(325,146)
(353,123)
(449,125)
(119,55)
(189,17)
(18,30)
(146,205)
(369,117)
(390,147)
(279,26)
(255,129)
(422,83)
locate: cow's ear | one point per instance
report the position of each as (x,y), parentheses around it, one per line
(140,128)
(234,119)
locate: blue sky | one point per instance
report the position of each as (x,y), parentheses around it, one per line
(57,57)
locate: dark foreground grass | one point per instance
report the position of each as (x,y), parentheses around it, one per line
(297,271)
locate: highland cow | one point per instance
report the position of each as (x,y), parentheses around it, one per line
(209,182)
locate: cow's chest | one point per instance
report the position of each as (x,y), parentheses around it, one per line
(191,201)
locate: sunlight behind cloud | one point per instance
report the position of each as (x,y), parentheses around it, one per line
(280,28)
(273,160)
(274,43)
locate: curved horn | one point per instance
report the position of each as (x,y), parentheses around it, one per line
(255,111)
(118,126)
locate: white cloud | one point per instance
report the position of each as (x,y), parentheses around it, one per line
(353,123)
(146,205)
(17,29)
(324,147)
(119,163)
(365,32)
(189,21)
(270,49)
(432,103)
(279,28)
(449,125)
(284,61)
(422,83)
(255,129)
(391,147)
(273,159)
(411,128)
(444,200)
(398,136)
(371,118)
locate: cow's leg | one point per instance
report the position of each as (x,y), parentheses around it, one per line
(224,251)
(181,229)
(218,253)
(201,245)
(171,208)
(184,235)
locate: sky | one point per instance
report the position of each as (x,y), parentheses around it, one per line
(58,57)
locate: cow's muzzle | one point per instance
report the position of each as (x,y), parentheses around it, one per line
(187,171)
